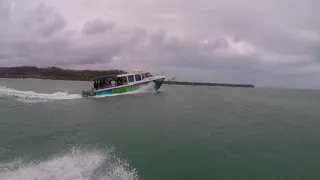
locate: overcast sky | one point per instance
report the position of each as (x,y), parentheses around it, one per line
(263,42)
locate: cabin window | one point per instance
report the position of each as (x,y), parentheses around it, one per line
(121,81)
(142,76)
(148,75)
(130,78)
(125,81)
(138,77)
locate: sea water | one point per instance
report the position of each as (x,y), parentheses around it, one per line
(49,132)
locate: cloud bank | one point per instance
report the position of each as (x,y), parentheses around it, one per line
(267,43)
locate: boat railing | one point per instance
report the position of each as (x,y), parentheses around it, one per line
(159,74)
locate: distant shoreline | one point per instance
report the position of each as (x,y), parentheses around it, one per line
(56,73)
(207,84)
(182,83)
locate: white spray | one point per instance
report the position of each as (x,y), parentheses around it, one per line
(33,97)
(78,164)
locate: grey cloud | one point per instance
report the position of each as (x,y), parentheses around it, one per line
(46,21)
(97,26)
(63,51)
(281,54)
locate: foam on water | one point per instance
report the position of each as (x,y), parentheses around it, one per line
(33,97)
(78,164)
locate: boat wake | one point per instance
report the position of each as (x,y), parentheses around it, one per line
(33,97)
(78,164)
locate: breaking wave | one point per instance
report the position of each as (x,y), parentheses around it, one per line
(77,164)
(33,97)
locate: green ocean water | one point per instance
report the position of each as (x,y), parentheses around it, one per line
(48,132)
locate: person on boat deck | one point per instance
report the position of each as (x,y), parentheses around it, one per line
(119,83)
(101,84)
(113,82)
(124,80)
(105,83)
(95,85)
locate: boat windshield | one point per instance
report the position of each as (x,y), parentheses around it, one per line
(147,74)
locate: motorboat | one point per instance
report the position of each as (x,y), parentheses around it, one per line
(123,83)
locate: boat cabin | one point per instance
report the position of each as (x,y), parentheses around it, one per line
(104,82)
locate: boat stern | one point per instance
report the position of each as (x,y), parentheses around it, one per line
(87,93)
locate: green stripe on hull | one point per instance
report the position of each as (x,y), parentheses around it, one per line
(125,89)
